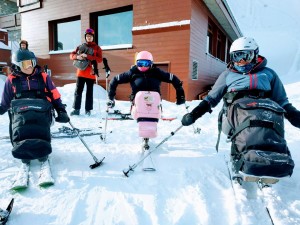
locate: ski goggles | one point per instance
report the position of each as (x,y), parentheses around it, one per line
(27,63)
(246,55)
(143,63)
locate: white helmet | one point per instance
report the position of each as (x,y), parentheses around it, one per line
(244,43)
(244,48)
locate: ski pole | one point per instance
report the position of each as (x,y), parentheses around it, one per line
(131,168)
(196,130)
(107,73)
(97,162)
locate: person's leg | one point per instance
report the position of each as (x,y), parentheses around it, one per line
(78,94)
(89,95)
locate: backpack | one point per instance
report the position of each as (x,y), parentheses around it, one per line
(255,127)
(83,64)
(31,116)
(146,109)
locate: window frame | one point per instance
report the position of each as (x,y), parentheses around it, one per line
(94,23)
(53,34)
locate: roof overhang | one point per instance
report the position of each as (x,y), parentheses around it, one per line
(221,11)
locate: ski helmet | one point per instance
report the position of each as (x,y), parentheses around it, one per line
(89,31)
(244,45)
(23,42)
(24,59)
(144,60)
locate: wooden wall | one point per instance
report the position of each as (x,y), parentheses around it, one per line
(209,68)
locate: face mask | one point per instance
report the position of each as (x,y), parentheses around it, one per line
(244,69)
(143,69)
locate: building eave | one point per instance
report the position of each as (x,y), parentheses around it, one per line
(221,11)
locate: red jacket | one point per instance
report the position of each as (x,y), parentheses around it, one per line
(88,72)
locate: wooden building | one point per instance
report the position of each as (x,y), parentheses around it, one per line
(5,52)
(188,38)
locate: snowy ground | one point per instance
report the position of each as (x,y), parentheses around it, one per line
(190,186)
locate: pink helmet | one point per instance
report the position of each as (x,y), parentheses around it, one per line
(144,60)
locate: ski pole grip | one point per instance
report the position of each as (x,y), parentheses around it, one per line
(106,67)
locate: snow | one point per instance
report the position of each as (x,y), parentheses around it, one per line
(162,25)
(191,184)
(4,46)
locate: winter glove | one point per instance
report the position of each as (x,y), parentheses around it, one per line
(292,114)
(2,111)
(110,103)
(197,112)
(62,116)
(180,96)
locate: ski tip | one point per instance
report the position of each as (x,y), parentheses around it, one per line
(46,184)
(18,188)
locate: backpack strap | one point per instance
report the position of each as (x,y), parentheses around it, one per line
(16,82)
(257,123)
(39,93)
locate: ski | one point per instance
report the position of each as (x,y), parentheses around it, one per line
(21,179)
(45,178)
(66,132)
(4,137)
(240,178)
(4,214)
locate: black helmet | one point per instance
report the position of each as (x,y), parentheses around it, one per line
(20,56)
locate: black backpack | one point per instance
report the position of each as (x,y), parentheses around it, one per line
(31,116)
(255,127)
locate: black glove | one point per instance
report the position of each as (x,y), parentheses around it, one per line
(180,96)
(292,114)
(110,103)
(2,111)
(196,113)
(62,116)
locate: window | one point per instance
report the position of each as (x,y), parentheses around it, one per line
(66,34)
(216,41)
(209,39)
(114,27)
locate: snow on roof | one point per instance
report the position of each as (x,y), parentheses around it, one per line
(4,46)
(3,30)
(162,25)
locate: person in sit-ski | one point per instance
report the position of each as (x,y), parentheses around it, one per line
(29,96)
(246,75)
(145,76)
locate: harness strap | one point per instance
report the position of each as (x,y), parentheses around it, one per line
(257,123)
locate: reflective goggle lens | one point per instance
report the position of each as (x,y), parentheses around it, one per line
(143,63)
(239,55)
(26,64)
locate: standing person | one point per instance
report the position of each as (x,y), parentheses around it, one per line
(252,116)
(145,76)
(29,96)
(86,57)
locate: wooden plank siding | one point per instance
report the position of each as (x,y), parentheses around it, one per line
(178,45)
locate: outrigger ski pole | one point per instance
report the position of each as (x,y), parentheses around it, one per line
(97,162)
(107,73)
(130,170)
